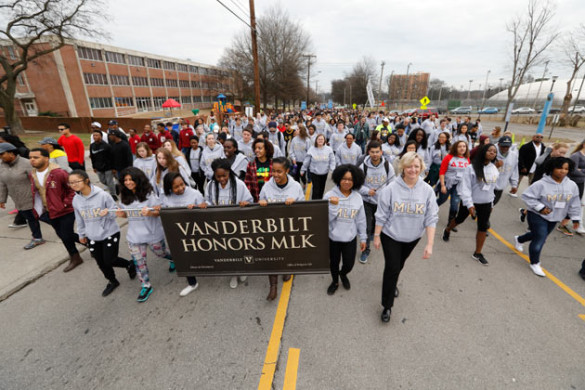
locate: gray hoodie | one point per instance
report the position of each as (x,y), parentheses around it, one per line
(508,171)
(348,218)
(240,164)
(406,212)
(277,139)
(208,157)
(89,223)
(246,148)
(391,151)
(146,165)
(272,193)
(299,148)
(225,194)
(337,139)
(562,198)
(319,161)
(472,191)
(345,155)
(141,229)
(376,178)
(190,196)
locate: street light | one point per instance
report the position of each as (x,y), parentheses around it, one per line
(554,80)
(484,90)
(469,90)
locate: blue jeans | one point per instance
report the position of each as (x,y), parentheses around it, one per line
(455,199)
(540,228)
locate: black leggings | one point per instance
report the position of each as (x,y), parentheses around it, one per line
(318,185)
(105,253)
(297,176)
(482,211)
(63,226)
(199,178)
(337,250)
(395,255)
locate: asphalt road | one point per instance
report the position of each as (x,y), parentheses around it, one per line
(456,325)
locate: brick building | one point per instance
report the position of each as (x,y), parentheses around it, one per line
(409,87)
(85,79)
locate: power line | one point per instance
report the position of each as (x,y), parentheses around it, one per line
(236,15)
(237,4)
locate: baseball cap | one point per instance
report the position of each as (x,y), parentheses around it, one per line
(113,122)
(505,141)
(6,147)
(272,124)
(96,124)
(48,141)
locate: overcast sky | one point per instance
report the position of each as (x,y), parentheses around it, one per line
(454,40)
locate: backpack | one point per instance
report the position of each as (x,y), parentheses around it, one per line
(386,167)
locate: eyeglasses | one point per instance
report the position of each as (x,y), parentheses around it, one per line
(75,182)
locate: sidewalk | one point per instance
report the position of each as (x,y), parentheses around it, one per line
(20,267)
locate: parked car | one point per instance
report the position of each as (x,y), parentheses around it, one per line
(578,109)
(523,110)
(462,110)
(553,110)
(427,112)
(488,110)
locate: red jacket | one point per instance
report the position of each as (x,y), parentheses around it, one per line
(58,194)
(151,139)
(162,137)
(133,141)
(184,138)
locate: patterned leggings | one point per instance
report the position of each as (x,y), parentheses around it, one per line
(138,253)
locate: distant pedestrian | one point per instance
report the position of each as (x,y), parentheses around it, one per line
(73,147)
(102,160)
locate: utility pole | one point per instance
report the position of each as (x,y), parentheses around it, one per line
(308,57)
(540,85)
(380,85)
(469,90)
(578,95)
(255,55)
(484,91)
(389,86)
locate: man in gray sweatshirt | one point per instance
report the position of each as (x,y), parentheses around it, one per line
(378,172)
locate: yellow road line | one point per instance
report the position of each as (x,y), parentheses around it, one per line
(553,278)
(292,367)
(308,191)
(582,316)
(274,344)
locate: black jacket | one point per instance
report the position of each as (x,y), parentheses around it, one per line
(101,156)
(527,155)
(122,156)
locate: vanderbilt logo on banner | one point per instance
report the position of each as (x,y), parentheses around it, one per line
(254,240)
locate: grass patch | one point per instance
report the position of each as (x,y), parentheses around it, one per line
(32,138)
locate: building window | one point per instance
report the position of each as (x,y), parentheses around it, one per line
(186,99)
(182,68)
(184,84)
(169,65)
(95,79)
(89,54)
(20,79)
(153,63)
(117,58)
(11,52)
(124,101)
(101,102)
(119,79)
(156,82)
(158,101)
(134,60)
(143,103)
(196,99)
(203,71)
(139,81)
(195,84)
(172,83)
(193,69)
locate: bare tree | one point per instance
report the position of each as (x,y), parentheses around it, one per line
(33,28)
(281,43)
(532,36)
(362,72)
(574,57)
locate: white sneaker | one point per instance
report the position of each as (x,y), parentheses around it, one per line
(188,290)
(513,195)
(537,269)
(234,282)
(581,229)
(242,279)
(518,245)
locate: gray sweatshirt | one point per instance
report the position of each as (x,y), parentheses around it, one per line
(508,171)
(146,165)
(404,212)
(562,198)
(277,139)
(272,193)
(240,164)
(453,168)
(337,139)
(208,157)
(376,178)
(183,162)
(225,194)
(190,196)
(578,175)
(246,148)
(89,223)
(319,161)
(472,191)
(299,148)
(390,151)
(141,229)
(437,154)
(345,155)
(348,218)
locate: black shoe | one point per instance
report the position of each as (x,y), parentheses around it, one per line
(385,315)
(446,235)
(131,269)
(522,215)
(582,274)
(396,293)
(479,257)
(110,287)
(454,230)
(345,282)
(332,288)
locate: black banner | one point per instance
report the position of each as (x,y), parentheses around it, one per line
(252,240)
